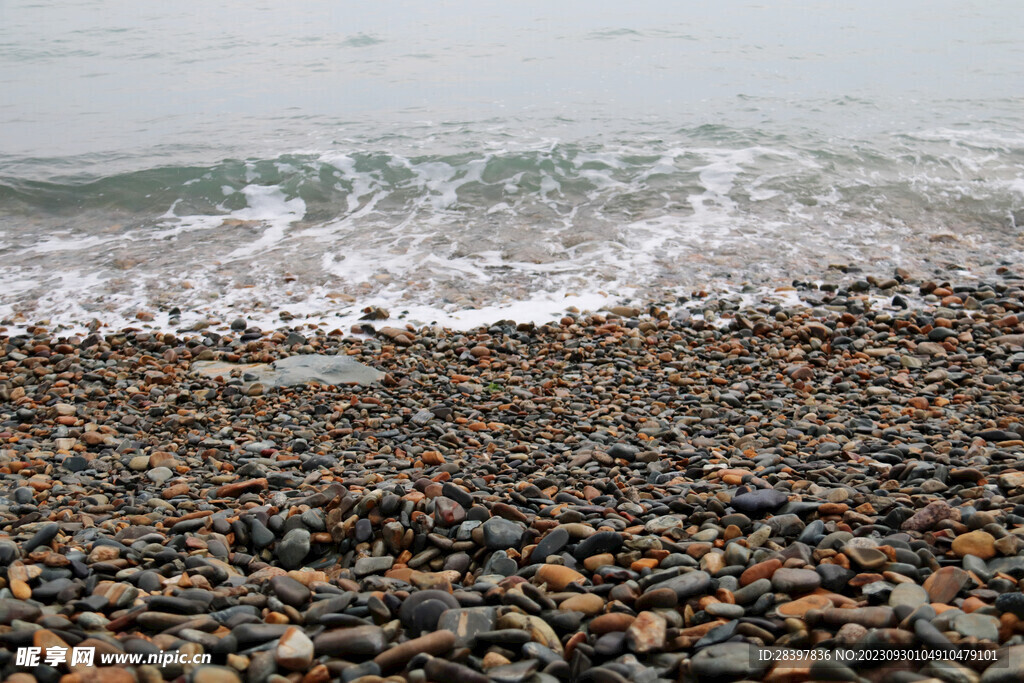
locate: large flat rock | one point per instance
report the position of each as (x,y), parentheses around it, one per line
(303,369)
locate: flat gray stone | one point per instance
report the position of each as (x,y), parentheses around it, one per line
(789,580)
(909,594)
(752,591)
(373,565)
(724,609)
(1008,667)
(980,626)
(358,641)
(727,661)
(690,584)
(759,500)
(301,369)
(467,622)
(501,533)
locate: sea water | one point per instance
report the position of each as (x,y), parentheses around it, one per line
(461,161)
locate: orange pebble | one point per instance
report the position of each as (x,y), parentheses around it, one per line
(647,562)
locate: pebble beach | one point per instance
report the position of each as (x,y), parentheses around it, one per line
(632,494)
(527,342)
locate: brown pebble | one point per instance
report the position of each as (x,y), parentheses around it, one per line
(978,543)
(557,577)
(587,603)
(657,598)
(613,621)
(593,562)
(436,643)
(761,570)
(237,488)
(946,584)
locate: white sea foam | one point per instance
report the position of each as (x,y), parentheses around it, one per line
(516,228)
(267,205)
(67,242)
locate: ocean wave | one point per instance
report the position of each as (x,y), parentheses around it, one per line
(502,223)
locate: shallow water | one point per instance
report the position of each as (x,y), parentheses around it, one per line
(230,158)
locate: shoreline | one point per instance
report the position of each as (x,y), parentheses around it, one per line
(699,481)
(311,307)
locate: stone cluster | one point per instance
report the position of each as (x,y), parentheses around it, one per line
(630,495)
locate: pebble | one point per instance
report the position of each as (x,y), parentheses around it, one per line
(945,584)
(647,633)
(727,661)
(689,584)
(866,558)
(908,595)
(657,598)
(558,577)
(1011,602)
(640,498)
(357,641)
(294,651)
(293,548)
(552,543)
(978,543)
(1008,667)
(598,544)
(759,501)
(789,580)
(467,623)
(979,626)
(436,643)
(752,591)
(586,603)
(501,534)
(42,537)
(290,591)
(928,517)
(372,565)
